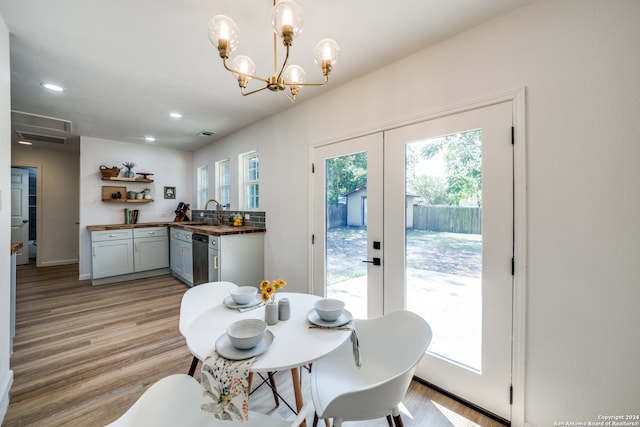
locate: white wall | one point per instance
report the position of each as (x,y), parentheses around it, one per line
(171,168)
(58,203)
(579,62)
(6,375)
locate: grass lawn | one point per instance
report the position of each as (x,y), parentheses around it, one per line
(451,253)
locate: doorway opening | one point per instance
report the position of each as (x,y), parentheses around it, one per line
(32,206)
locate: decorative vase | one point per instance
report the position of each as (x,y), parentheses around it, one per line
(271,313)
(128,173)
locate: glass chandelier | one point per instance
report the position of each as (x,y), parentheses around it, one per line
(287,24)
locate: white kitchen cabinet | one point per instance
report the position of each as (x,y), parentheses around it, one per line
(237,258)
(182,255)
(112,253)
(150,248)
(127,254)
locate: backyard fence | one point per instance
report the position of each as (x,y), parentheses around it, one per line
(452,219)
(337,215)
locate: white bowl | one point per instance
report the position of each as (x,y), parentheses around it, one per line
(243,294)
(329,309)
(247,333)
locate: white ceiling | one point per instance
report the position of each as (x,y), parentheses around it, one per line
(125,64)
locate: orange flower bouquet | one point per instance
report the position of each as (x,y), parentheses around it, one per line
(269,289)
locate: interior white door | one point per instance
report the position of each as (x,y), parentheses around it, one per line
(20,212)
(347,224)
(439,174)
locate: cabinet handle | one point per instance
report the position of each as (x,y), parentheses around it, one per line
(94,251)
(113,235)
(181,247)
(135,247)
(215,262)
(152,232)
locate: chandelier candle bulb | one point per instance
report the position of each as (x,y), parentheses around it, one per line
(224,32)
(287,20)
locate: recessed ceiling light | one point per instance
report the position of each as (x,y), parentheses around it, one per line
(53,87)
(149,138)
(25,142)
(176,115)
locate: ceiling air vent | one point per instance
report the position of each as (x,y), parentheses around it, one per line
(206,133)
(40,125)
(32,137)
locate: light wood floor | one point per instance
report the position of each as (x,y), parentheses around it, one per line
(83,354)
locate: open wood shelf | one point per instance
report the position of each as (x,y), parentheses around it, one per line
(127,200)
(107,191)
(118,178)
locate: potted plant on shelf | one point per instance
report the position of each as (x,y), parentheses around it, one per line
(128,173)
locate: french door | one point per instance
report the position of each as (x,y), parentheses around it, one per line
(429,209)
(347,224)
(449,187)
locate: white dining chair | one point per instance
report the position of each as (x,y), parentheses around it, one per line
(390,348)
(198,299)
(175,401)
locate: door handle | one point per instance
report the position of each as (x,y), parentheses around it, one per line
(24,221)
(376,261)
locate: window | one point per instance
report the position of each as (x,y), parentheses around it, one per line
(203,186)
(250,180)
(223,183)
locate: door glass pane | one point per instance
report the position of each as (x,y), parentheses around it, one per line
(444,242)
(346,231)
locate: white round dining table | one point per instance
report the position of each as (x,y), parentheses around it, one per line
(294,343)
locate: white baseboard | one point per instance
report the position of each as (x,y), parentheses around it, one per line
(7,382)
(84,277)
(57,262)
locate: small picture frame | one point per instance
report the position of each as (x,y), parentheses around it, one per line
(169,192)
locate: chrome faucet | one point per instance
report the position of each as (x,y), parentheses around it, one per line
(217,209)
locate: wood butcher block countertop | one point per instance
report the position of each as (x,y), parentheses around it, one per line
(196,227)
(15,247)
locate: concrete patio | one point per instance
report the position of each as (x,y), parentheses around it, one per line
(452,305)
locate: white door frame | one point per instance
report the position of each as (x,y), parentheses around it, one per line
(517,97)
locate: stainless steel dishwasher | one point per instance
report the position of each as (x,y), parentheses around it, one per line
(200,258)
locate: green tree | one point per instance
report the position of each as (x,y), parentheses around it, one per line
(462,154)
(432,189)
(345,174)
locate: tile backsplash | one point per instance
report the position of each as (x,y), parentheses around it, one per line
(256,218)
